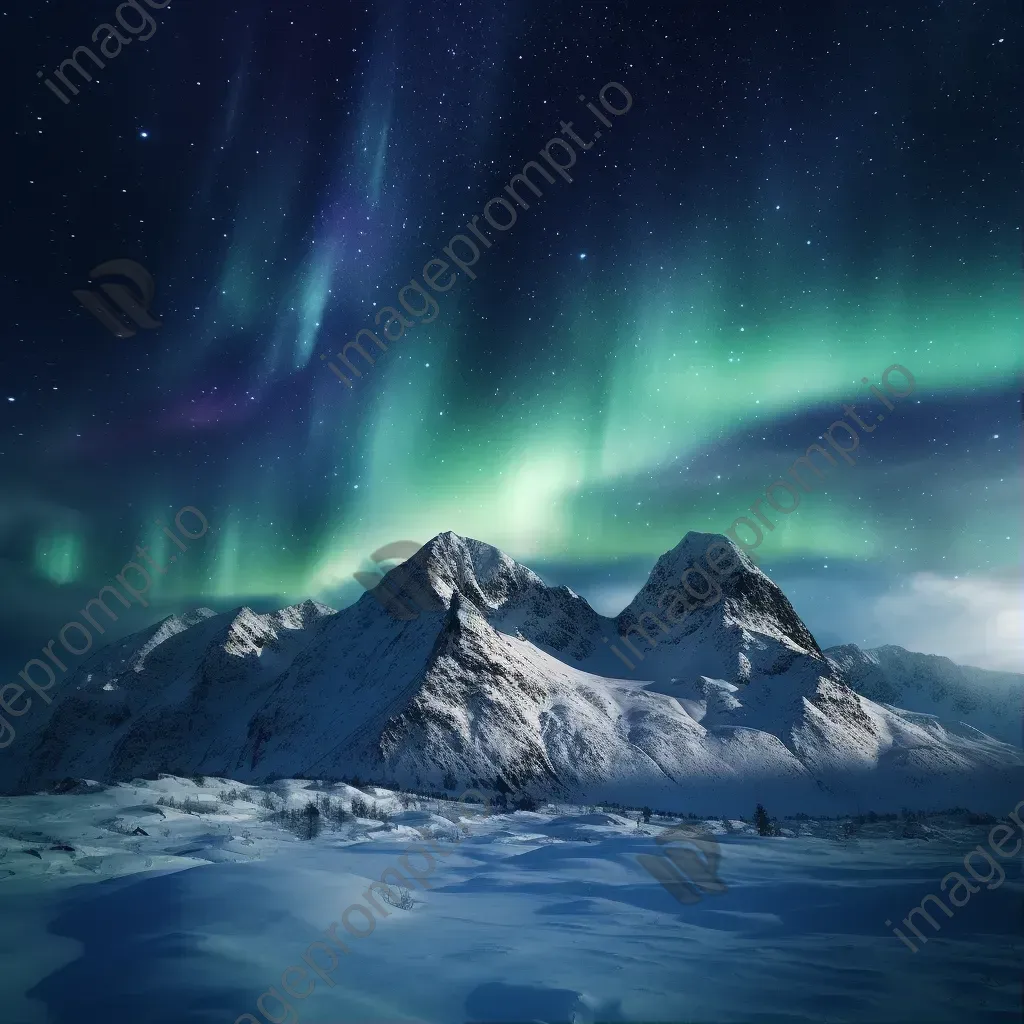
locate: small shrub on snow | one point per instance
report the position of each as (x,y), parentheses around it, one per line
(188,805)
(364,809)
(304,823)
(331,810)
(310,821)
(980,819)
(398,896)
(119,827)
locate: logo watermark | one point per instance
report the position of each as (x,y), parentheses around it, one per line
(129,304)
(404,595)
(681,870)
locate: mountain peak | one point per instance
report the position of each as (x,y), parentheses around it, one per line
(192,617)
(694,547)
(450,564)
(721,609)
(299,616)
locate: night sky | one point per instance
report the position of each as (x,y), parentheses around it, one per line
(799,197)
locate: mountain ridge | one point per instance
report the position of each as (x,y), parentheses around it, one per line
(504,682)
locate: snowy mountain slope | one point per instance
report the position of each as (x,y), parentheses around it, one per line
(491,706)
(505,682)
(481,705)
(141,694)
(98,671)
(991,702)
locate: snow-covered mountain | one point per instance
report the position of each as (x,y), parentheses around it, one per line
(992,702)
(505,682)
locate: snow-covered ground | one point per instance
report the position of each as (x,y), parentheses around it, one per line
(544,916)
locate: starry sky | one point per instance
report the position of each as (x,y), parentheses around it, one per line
(800,196)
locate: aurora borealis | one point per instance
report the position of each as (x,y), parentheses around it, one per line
(798,198)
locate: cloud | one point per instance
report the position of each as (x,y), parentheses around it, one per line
(975,620)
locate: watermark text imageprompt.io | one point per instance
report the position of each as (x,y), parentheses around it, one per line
(32,673)
(719,560)
(956,885)
(358,920)
(142,21)
(463,251)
